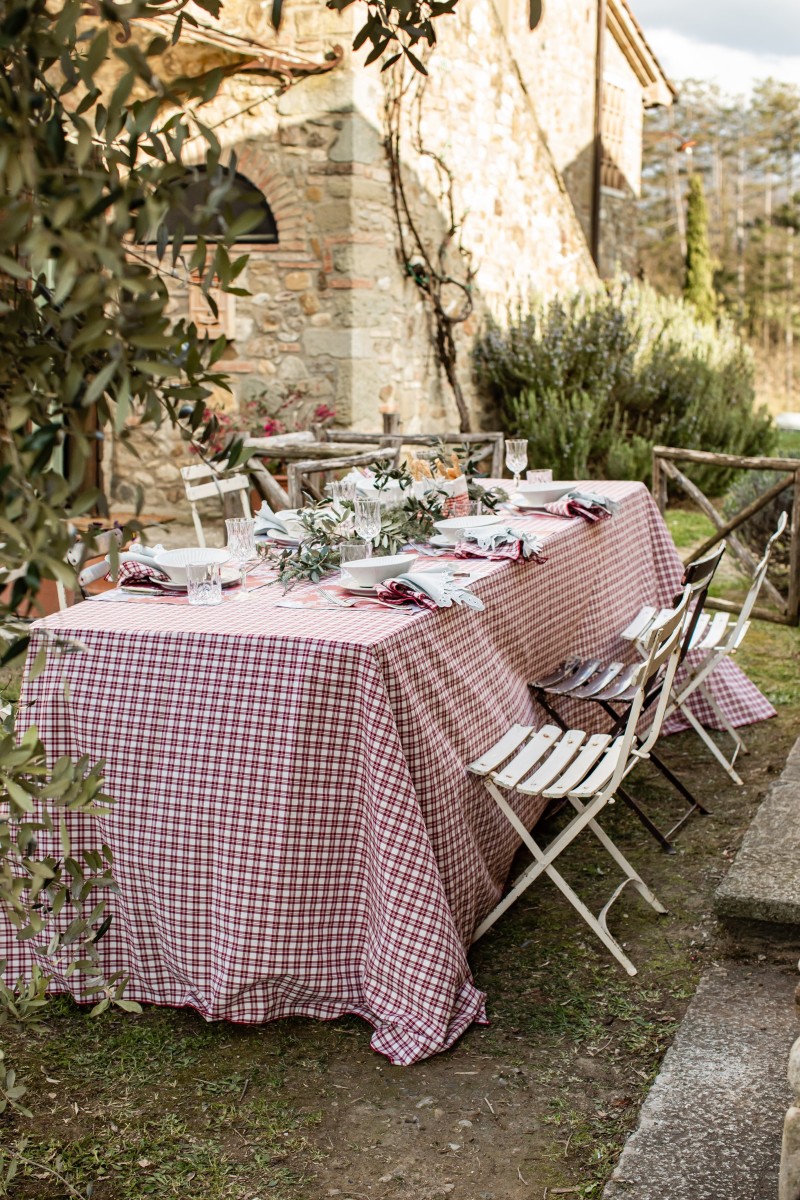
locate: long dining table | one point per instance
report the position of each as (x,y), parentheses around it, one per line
(294,829)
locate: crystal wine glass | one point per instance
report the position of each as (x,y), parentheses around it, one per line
(241,546)
(517,457)
(343,489)
(368,521)
(343,494)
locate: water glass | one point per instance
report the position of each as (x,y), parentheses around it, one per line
(542,475)
(203,583)
(517,457)
(343,489)
(350,552)
(368,521)
(241,544)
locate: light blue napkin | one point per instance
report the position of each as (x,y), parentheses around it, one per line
(491,537)
(266,520)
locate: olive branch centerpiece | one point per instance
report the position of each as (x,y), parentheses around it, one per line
(408,522)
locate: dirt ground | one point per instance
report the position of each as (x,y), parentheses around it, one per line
(536,1104)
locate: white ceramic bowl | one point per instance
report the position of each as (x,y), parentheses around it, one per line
(453,527)
(366,572)
(175,562)
(536,495)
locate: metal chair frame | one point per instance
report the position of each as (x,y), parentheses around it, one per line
(721,638)
(609,686)
(587,774)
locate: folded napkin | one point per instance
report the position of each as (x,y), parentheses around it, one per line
(266,520)
(147,551)
(138,572)
(426,589)
(589,505)
(500,541)
(133,573)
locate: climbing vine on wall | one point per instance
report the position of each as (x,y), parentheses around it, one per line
(442,272)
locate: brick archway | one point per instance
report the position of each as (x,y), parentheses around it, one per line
(259,167)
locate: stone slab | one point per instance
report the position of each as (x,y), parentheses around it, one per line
(763,883)
(710,1128)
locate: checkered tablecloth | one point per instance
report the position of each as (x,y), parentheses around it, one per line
(295,831)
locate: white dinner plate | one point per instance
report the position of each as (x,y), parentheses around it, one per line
(438,539)
(358,589)
(281,539)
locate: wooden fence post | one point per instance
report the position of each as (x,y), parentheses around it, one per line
(659,482)
(793,604)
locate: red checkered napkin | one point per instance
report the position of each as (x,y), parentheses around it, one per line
(133,573)
(397,591)
(587,505)
(508,550)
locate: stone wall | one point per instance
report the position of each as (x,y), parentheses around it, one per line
(557,63)
(332,315)
(618,211)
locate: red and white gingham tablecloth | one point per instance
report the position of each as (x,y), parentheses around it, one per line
(295,831)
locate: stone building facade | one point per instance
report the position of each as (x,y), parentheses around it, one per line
(502,135)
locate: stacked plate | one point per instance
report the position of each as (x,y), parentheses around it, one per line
(452,529)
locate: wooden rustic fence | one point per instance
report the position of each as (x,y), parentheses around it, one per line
(787,608)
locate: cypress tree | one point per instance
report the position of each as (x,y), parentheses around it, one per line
(699,283)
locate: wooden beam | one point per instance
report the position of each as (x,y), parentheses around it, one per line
(761,614)
(745,514)
(793,606)
(744,555)
(725,460)
(313,466)
(268,488)
(659,485)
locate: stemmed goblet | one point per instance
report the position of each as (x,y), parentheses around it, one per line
(343,493)
(241,546)
(368,521)
(517,457)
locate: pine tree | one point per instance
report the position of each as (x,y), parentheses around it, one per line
(699,283)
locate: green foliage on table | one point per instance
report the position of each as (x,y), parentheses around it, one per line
(412,520)
(89,171)
(698,286)
(595,379)
(324,531)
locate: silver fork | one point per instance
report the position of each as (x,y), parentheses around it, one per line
(334,601)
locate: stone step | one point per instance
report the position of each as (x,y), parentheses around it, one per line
(710,1128)
(762,888)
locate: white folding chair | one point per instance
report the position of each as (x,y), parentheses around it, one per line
(585,772)
(716,638)
(217,483)
(78,555)
(592,680)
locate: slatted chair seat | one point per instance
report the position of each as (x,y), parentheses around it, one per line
(613,685)
(586,771)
